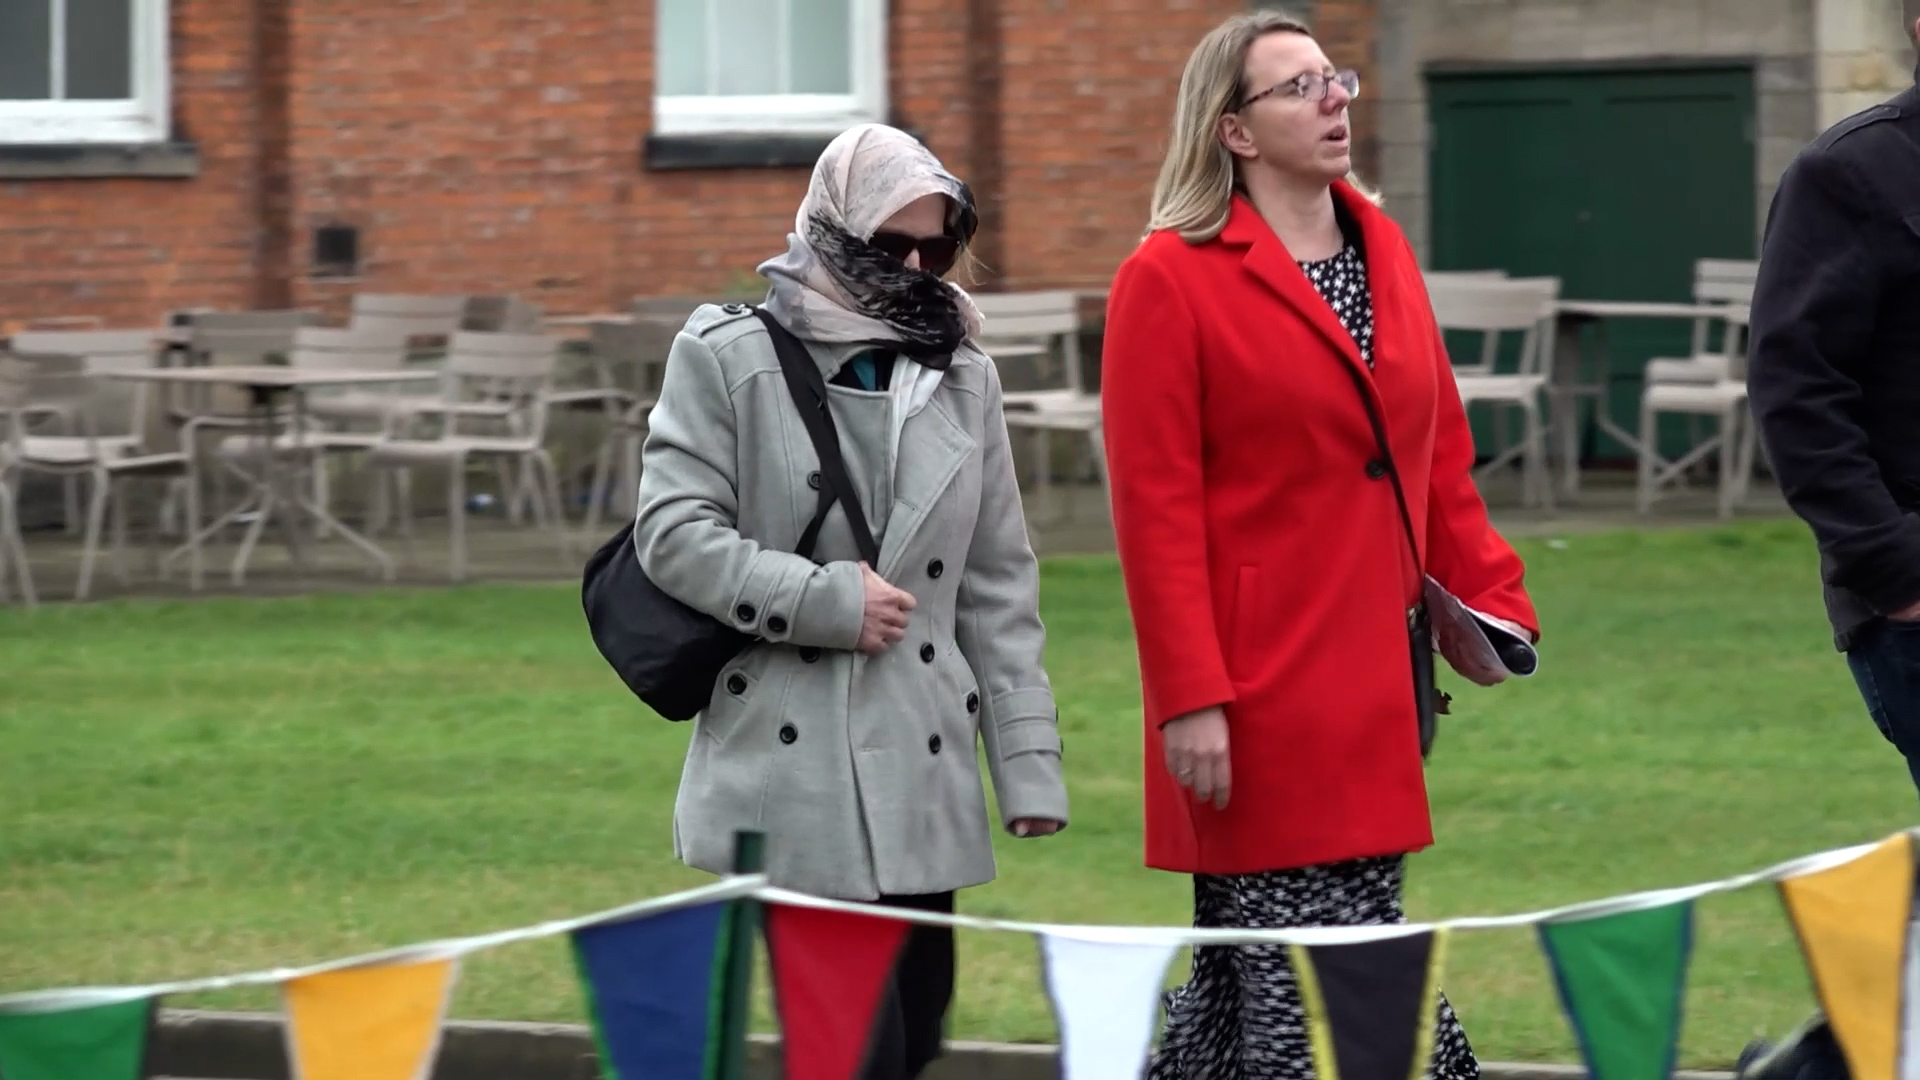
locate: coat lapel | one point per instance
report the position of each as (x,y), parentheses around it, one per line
(1269,261)
(933,447)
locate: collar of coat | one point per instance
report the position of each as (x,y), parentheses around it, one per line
(1268,260)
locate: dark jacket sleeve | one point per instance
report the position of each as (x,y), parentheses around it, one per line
(1814,306)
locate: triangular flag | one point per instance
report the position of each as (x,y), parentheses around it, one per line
(1622,980)
(1371,1004)
(830,970)
(1852,921)
(652,988)
(367,1023)
(100,1042)
(1106,997)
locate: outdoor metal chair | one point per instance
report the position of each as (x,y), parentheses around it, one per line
(100,351)
(498,382)
(1492,308)
(1041,330)
(1725,400)
(109,458)
(630,360)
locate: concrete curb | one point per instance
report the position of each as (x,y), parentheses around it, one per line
(252,1046)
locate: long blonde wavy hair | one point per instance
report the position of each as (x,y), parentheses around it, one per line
(1195,191)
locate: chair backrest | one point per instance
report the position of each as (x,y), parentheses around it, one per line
(632,356)
(680,307)
(1443,276)
(1718,282)
(1724,281)
(103,350)
(1041,318)
(219,345)
(421,316)
(1492,307)
(322,349)
(53,384)
(500,313)
(509,369)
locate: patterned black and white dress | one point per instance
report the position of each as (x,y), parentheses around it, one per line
(1239,1016)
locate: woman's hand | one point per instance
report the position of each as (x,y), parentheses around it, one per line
(1036,826)
(1196,747)
(886,615)
(1910,614)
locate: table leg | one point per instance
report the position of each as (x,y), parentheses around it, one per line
(1602,419)
(1563,403)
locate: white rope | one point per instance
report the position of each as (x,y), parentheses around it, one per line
(756,887)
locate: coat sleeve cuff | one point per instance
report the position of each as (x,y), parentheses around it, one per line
(1024,756)
(789,600)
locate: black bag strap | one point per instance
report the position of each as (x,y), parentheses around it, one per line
(1393,470)
(809,390)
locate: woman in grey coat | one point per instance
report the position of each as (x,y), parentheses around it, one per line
(848,731)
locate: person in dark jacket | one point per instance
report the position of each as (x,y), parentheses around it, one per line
(1834,372)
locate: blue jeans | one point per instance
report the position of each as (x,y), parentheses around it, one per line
(1886,664)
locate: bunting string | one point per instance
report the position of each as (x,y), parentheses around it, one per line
(756,887)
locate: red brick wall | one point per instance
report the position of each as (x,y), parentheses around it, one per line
(128,249)
(494,146)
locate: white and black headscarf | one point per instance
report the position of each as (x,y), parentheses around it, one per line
(832,286)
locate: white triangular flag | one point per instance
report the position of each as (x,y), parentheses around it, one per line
(1106,997)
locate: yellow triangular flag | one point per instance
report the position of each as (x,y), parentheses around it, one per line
(1852,921)
(369,1023)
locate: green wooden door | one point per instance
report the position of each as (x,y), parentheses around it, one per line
(1614,181)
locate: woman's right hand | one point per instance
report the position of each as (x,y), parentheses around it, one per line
(886,613)
(1196,750)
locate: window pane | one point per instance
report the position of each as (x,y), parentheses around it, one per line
(680,47)
(750,58)
(821,35)
(99,49)
(26,49)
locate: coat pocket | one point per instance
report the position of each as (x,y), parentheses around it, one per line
(1239,649)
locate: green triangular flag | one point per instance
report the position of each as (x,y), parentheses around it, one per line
(1622,980)
(102,1042)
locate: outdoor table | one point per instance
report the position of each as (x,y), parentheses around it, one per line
(264,385)
(1563,395)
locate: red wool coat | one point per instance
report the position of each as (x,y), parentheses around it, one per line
(1265,561)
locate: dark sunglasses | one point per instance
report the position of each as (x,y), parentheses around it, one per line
(937,253)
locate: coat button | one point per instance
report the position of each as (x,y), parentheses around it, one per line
(776,624)
(926,652)
(933,744)
(744,613)
(936,568)
(809,655)
(736,684)
(789,734)
(813,479)
(973,702)
(1376,470)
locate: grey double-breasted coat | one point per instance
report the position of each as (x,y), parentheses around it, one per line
(862,770)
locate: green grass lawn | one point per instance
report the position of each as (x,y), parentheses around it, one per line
(196,788)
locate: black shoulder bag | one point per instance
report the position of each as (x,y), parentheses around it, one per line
(667,653)
(1429,703)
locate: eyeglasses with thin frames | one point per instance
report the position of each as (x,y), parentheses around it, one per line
(1312,86)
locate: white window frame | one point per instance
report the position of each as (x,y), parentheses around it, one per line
(139,119)
(795,114)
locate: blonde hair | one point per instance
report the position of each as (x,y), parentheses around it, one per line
(1194,194)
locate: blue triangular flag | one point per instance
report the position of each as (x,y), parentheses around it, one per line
(654,988)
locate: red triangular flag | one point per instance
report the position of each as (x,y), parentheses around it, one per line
(830,970)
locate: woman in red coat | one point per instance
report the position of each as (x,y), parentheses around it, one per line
(1271,576)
